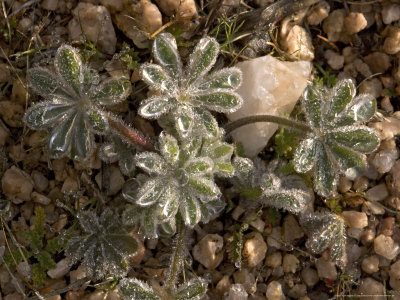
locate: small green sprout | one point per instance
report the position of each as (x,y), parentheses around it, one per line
(73,110)
(338,141)
(187,94)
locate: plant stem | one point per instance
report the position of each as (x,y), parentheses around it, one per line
(129,134)
(177,258)
(300,126)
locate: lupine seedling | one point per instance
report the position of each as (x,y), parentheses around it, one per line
(177,188)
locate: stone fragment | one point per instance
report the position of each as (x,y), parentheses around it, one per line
(237,292)
(378,62)
(384,160)
(378,192)
(12,113)
(371,289)
(391,44)
(335,60)
(291,229)
(223,285)
(326,269)
(62,268)
(247,279)
(69,185)
(269,86)
(296,41)
(354,22)
(184,8)
(318,13)
(395,178)
(4,134)
(40,181)
(310,276)
(390,12)
(345,184)
(13,296)
(39,198)
(370,264)
(386,247)
(394,274)
(372,86)
(274,291)
(49,4)
(17,185)
(93,22)
(333,24)
(273,240)
(290,263)
(298,291)
(274,259)
(254,249)
(387,225)
(208,251)
(116,181)
(387,128)
(355,219)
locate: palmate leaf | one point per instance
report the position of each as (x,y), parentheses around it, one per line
(191,290)
(134,289)
(326,231)
(338,141)
(73,110)
(103,247)
(186,95)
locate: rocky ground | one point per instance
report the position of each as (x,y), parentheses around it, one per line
(341,39)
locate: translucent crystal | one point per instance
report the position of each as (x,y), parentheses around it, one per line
(187,94)
(338,141)
(73,110)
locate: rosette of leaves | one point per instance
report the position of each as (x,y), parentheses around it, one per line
(134,289)
(104,246)
(118,150)
(179,181)
(338,140)
(72,111)
(187,94)
(263,184)
(326,231)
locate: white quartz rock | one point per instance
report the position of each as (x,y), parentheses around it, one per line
(270,87)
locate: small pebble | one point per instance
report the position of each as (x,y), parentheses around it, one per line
(333,24)
(274,259)
(370,287)
(387,225)
(372,86)
(355,22)
(310,276)
(291,229)
(386,247)
(5,73)
(335,60)
(344,184)
(116,181)
(391,44)
(62,268)
(370,264)
(394,274)
(39,198)
(223,285)
(208,251)
(318,13)
(395,182)
(237,292)
(70,185)
(355,219)
(254,249)
(17,185)
(50,4)
(378,192)
(384,160)
(298,291)
(40,181)
(378,62)
(326,269)
(290,263)
(247,279)
(274,291)
(390,13)
(360,184)
(274,238)
(368,236)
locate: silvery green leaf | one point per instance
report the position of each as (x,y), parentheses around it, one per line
(151,162)
(361,109)
(154,107)
(61,138)
(325,176)
(347,159)
(203,186)
(112,91)
(244,170)
(304,156)
(168,203)
(46,84)
(191,290)
(148,222)
(97,121)
(312,105)
(89,78)
(199,166)
(168,228)
(169,147)
(192,146)
(202,59)
(103,248)
(190,210)
(326,230)
(83,140)
(341,95)
(361,139)
(228,78)
(150,192)
(45,114)
(165,52)
(219,100)
(291,200)
(68,64)
(184,121)
(211,208)
(134,289)
(155,77)
(206,119)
